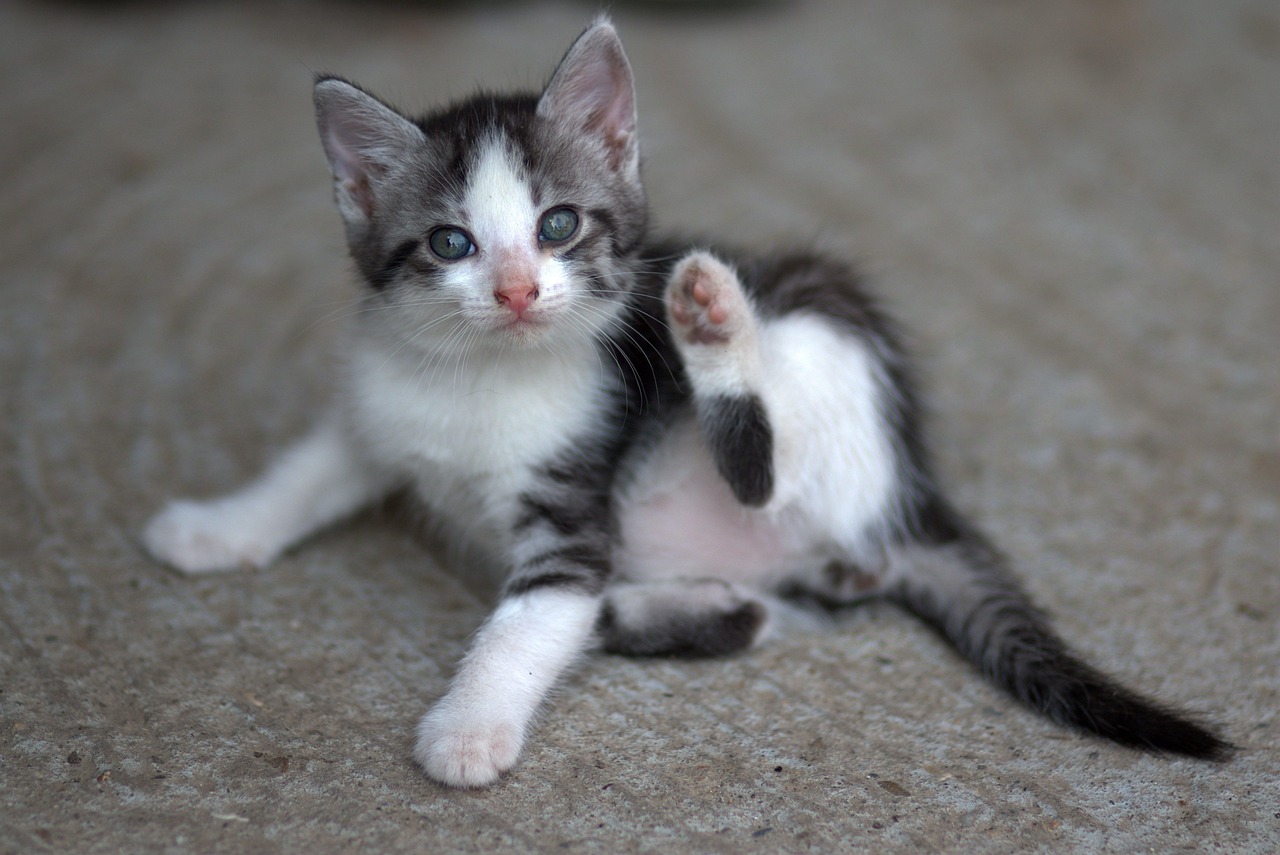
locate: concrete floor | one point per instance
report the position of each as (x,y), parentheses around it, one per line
(1076,208)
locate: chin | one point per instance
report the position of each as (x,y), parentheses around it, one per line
(526,332)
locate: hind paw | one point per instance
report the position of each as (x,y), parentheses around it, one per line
(688,618)
(714,326)
(705,301)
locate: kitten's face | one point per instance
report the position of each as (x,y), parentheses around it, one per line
(499,221)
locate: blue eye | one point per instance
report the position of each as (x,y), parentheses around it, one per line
(450,243)
(558,225)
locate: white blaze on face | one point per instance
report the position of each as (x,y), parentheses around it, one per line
(513,284)
(503,218)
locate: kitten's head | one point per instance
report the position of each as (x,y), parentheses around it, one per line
(498,219)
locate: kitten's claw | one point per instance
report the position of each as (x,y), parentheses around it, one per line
(705,301)
(204,537)
(462,751)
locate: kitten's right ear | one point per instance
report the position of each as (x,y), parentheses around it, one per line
(363,138)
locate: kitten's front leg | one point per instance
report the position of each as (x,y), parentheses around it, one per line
(560,559)
(313,483)
(715,330)
(476,732)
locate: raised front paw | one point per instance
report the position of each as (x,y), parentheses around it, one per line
(705,301)
(465,750)
(203,537)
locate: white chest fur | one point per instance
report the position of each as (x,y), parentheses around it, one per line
(468,436)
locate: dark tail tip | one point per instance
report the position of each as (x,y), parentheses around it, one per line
(959,585)
(1093,702)
(1027,659)
(1190,739)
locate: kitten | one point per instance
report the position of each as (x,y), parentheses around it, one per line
(657,441)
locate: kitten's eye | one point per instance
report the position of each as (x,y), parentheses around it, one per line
(450,243)
(558,225)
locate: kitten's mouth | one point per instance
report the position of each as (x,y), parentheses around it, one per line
(529,319)
(523,326)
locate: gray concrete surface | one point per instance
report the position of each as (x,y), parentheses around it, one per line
(1076,207)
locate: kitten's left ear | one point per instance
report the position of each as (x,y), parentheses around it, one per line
(593,89)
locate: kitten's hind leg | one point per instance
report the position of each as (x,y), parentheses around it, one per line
(315,482)
(687,618)
(838,583)
(715,331)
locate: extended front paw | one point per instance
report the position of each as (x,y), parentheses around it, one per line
(466,750)
(203,537)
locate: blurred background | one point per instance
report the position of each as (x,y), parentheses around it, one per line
(1074,206)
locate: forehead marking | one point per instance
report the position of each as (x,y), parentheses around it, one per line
(498,200)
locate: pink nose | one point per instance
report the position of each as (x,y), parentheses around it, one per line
(517,297)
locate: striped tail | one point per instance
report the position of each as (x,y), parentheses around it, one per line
(953,579)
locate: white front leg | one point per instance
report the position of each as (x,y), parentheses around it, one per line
(476,731)
(314,482)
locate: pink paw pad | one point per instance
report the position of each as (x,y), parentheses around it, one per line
(705,301)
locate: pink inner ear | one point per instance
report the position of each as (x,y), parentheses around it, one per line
(593,88)
(363,138)
(352,169)
(342,157)
(358,189)
(606,104)
(359,139)
(617,118)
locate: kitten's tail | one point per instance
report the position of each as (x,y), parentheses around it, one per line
(959,584)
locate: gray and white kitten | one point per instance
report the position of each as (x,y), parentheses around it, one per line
(657,440)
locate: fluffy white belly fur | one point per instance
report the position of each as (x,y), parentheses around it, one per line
(679,518)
